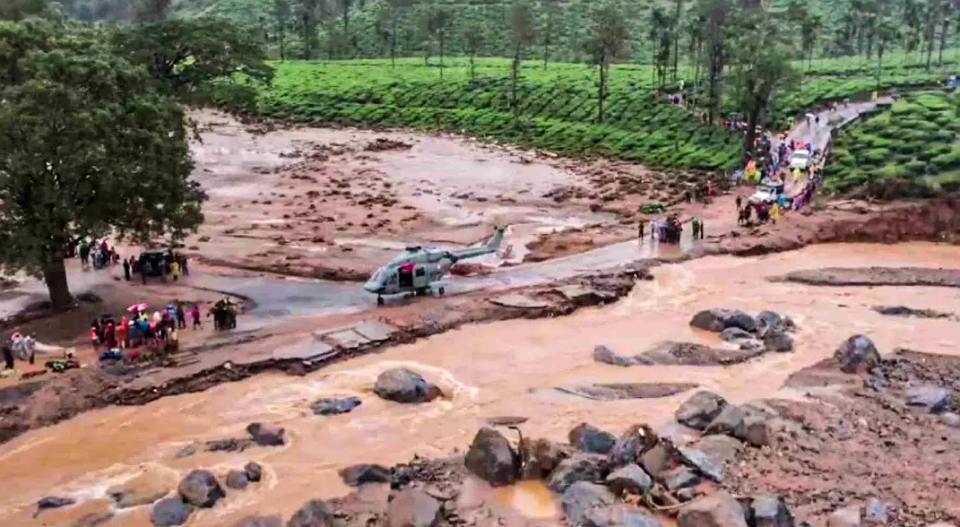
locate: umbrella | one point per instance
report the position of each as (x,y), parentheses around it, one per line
(139,308)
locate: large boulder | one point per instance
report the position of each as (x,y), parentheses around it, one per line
(699,410)
(413,507)
(254,471)
(356,475)
(769,320)
(720,319)
(578,467)
(932,398)
(717,510)
(313,513)
(335,406)
(857,355)
(608,356)
(405,386)
(778,340)
(260,521)
(200,489)
(728,422)
(724,449)
(632,444)
(266,435)
(770,511)
(582,497)
(541,456)
(170,512)
(588,438)
(492,459)
(705,463)
(237,480)
(630,479)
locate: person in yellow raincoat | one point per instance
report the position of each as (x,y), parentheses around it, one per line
(751,171)
(775,212)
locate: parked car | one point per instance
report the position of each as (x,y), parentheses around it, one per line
(800,159)
(767,193)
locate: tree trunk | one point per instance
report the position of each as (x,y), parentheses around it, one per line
(879,66)
(546,44)
(473,71)
(751,136)
(602,91)
(515,73)
(943,39)
(441,55)
(55,276)
(393,42)
(283,54)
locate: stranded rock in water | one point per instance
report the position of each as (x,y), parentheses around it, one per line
(405,386)
(588,438)
(200,489)
(335,406)
(492,459)
(720,319)
(266,435)
(857,355)
(170,512)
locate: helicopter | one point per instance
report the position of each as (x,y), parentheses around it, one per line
(416,270)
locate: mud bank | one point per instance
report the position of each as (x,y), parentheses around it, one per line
(934,220)
(875,276)
(43,403)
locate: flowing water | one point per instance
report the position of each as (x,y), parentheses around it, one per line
(503,368)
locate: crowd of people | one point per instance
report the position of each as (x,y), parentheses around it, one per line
(155,332)
(99,254)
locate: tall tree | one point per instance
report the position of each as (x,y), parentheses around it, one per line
(887,33)
(90,148)
(660,39)
(281,19)
(550,8)
(473,37)
(675,22)
(396,8)
(439,20)
(344,7)
(308,11)
(609,36)
(20,9)
(522,34)
(714,14)
(761,67)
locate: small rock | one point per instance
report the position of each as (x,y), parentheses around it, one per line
(721,319)
(678,477)
(260,521)
(404,386)
(778,340)
(541,456)
(579,467)
(335,406)
(933,398)
(728,422)
(170,512)
(756,429)
(313,513)
(588,438)
(619,515)
(357,475)
(200,489)
(724,449)
(266,435)
(875,513)
(412,507)
(253,471)
(950,419)
(582,497)
(846,517)
(657,459)
(629,478)
(717,510)
(492,459)
(53,502)
(187,451)
(699,410)
(769,320)
(237,479)
(607,356)
(632,444)
(770,511)
(703,462)
(735,334)
(857,355)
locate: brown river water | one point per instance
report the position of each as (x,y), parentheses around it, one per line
(496,369)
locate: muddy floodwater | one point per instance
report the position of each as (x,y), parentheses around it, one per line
(499,369)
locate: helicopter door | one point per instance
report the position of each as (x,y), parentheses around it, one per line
(420,277)
(406,276)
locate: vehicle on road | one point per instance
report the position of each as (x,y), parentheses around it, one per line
(768,192)
(419,269)
(800,159)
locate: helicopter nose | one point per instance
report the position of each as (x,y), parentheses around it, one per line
(371,287)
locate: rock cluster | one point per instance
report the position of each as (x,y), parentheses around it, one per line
(200,489)
(769,331)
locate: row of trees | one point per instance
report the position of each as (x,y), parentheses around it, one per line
(94,138)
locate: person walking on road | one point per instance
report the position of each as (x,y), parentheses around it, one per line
(640,231)
(195,315)
(126,270)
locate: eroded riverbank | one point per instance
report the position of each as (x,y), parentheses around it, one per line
(486,370)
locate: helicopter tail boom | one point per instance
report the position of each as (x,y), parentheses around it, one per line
(491,247)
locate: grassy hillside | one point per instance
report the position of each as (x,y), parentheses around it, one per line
(557,108)
(912,149)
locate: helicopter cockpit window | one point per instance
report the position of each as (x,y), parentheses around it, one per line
(393,278)
(421,271)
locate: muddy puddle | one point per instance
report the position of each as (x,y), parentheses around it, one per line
(500,369)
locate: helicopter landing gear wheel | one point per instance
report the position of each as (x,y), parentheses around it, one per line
(441,291)
(379,300)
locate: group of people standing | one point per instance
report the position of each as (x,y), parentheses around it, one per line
(157,330)
(100,254)
(160,264)
(670,229)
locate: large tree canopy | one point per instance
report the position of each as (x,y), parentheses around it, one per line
(189,56)
(87,146)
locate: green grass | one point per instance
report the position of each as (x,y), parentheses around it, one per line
(557,108)
(912,149)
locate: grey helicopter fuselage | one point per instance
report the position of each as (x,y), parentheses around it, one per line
(419,269)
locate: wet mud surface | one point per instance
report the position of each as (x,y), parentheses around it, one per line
(876,276)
